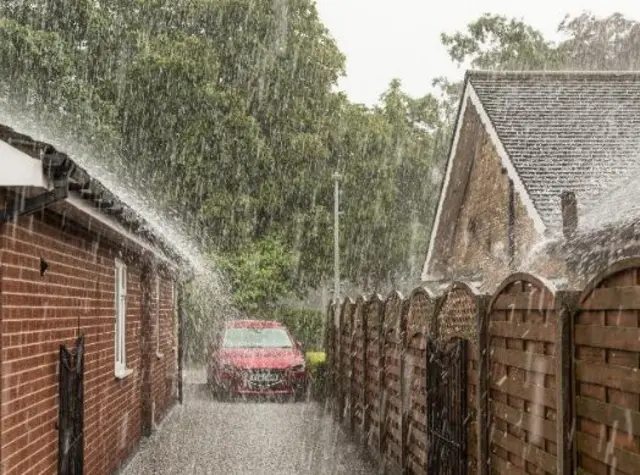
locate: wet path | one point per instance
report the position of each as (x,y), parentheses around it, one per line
(208,437)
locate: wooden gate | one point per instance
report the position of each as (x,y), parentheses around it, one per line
(447,406)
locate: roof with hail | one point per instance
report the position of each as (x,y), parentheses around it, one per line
(567,131)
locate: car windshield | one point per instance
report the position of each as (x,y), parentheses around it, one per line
(256,338)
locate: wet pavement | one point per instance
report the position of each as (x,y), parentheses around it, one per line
(205,437)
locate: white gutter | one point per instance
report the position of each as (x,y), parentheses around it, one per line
(17,169)
(114,225)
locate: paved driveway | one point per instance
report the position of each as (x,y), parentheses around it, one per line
(208,437)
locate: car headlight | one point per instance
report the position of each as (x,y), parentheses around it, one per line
(298,367)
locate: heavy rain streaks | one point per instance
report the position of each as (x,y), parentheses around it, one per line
(204,437)
(218,124)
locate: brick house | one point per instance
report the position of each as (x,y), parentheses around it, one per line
(76,260)
(533,154)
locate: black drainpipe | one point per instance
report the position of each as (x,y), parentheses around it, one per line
(181,316)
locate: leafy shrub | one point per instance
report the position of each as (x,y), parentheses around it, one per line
(306,325)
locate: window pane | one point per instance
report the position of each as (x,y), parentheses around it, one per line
(256,338)
(120,307)
(157,314)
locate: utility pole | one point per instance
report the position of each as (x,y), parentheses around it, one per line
(337,177)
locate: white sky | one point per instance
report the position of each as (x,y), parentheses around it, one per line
(383,39)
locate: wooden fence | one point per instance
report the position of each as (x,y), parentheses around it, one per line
(552,381)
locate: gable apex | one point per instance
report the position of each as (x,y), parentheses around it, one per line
(470,97)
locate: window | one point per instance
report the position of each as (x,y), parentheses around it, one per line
(121,312)
(158,320)
(174,314)
(256,338)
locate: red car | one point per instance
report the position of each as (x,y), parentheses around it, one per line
(256,358)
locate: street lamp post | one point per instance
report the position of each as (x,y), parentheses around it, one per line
(337,177)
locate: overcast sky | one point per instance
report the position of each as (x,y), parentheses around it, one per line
(383,39)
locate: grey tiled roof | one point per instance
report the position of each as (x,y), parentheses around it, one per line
(577,131)
(619,206)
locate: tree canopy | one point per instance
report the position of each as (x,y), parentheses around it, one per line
(225,111)
(588,43)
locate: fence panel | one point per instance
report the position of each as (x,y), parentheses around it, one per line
(421,306)
(607,362)
(457,318)
(359,362)
(373,371)
(391,411)
(345,360)
(522,380)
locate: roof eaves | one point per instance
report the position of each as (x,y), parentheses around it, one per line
(90,190)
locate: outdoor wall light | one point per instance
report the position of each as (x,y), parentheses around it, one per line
(44,265)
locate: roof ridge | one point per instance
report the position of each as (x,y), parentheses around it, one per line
(551,72)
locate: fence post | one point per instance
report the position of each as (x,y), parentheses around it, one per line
(382,308)
(336,333)
(482,326)
(404,315)
(566,304)
(341,364)
(350,398)
(364,328)
(329,348)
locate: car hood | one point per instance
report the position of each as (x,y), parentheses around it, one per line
(272,358)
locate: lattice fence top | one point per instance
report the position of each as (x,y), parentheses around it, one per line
(421,304)
(346,318)
(359,316)
(374,309)
(457,313)
(393,313)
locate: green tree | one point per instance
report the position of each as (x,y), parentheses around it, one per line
(603,44)
(259,275)
(590,43)
(497,42)
(224,111)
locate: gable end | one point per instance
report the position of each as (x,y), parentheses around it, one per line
(470,97)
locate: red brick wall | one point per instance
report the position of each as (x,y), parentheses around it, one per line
(39,314)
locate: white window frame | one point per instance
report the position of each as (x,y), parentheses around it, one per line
(120,334)
(174,314)
(158,321)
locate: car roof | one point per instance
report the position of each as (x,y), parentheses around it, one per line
(253,324)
